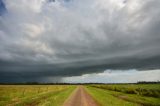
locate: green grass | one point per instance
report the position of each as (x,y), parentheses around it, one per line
(57,99)
(126,93)
(150,90)
(22,95)
(106,99)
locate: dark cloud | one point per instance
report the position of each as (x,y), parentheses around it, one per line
(12,72)
(41,40)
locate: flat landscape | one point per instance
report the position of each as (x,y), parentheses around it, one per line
(79,52)
(80,95)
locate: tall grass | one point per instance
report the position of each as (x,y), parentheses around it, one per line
(18,94)
(150,90)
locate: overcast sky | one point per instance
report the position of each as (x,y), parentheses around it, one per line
(66,40)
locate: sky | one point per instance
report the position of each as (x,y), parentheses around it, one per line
(105,41)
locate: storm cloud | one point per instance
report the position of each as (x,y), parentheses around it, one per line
(40,39)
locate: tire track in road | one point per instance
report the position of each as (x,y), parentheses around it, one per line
(80,97)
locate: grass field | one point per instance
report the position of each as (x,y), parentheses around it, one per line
(24,95)
(126,94)
(105,95)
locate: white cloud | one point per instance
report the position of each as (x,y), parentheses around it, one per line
(24,5)
(101,29)
(33,30)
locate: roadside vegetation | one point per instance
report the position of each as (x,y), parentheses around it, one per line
(150,90)
(131,94)
(104,98)
(24,95)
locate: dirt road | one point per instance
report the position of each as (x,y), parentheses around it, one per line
(80,98)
